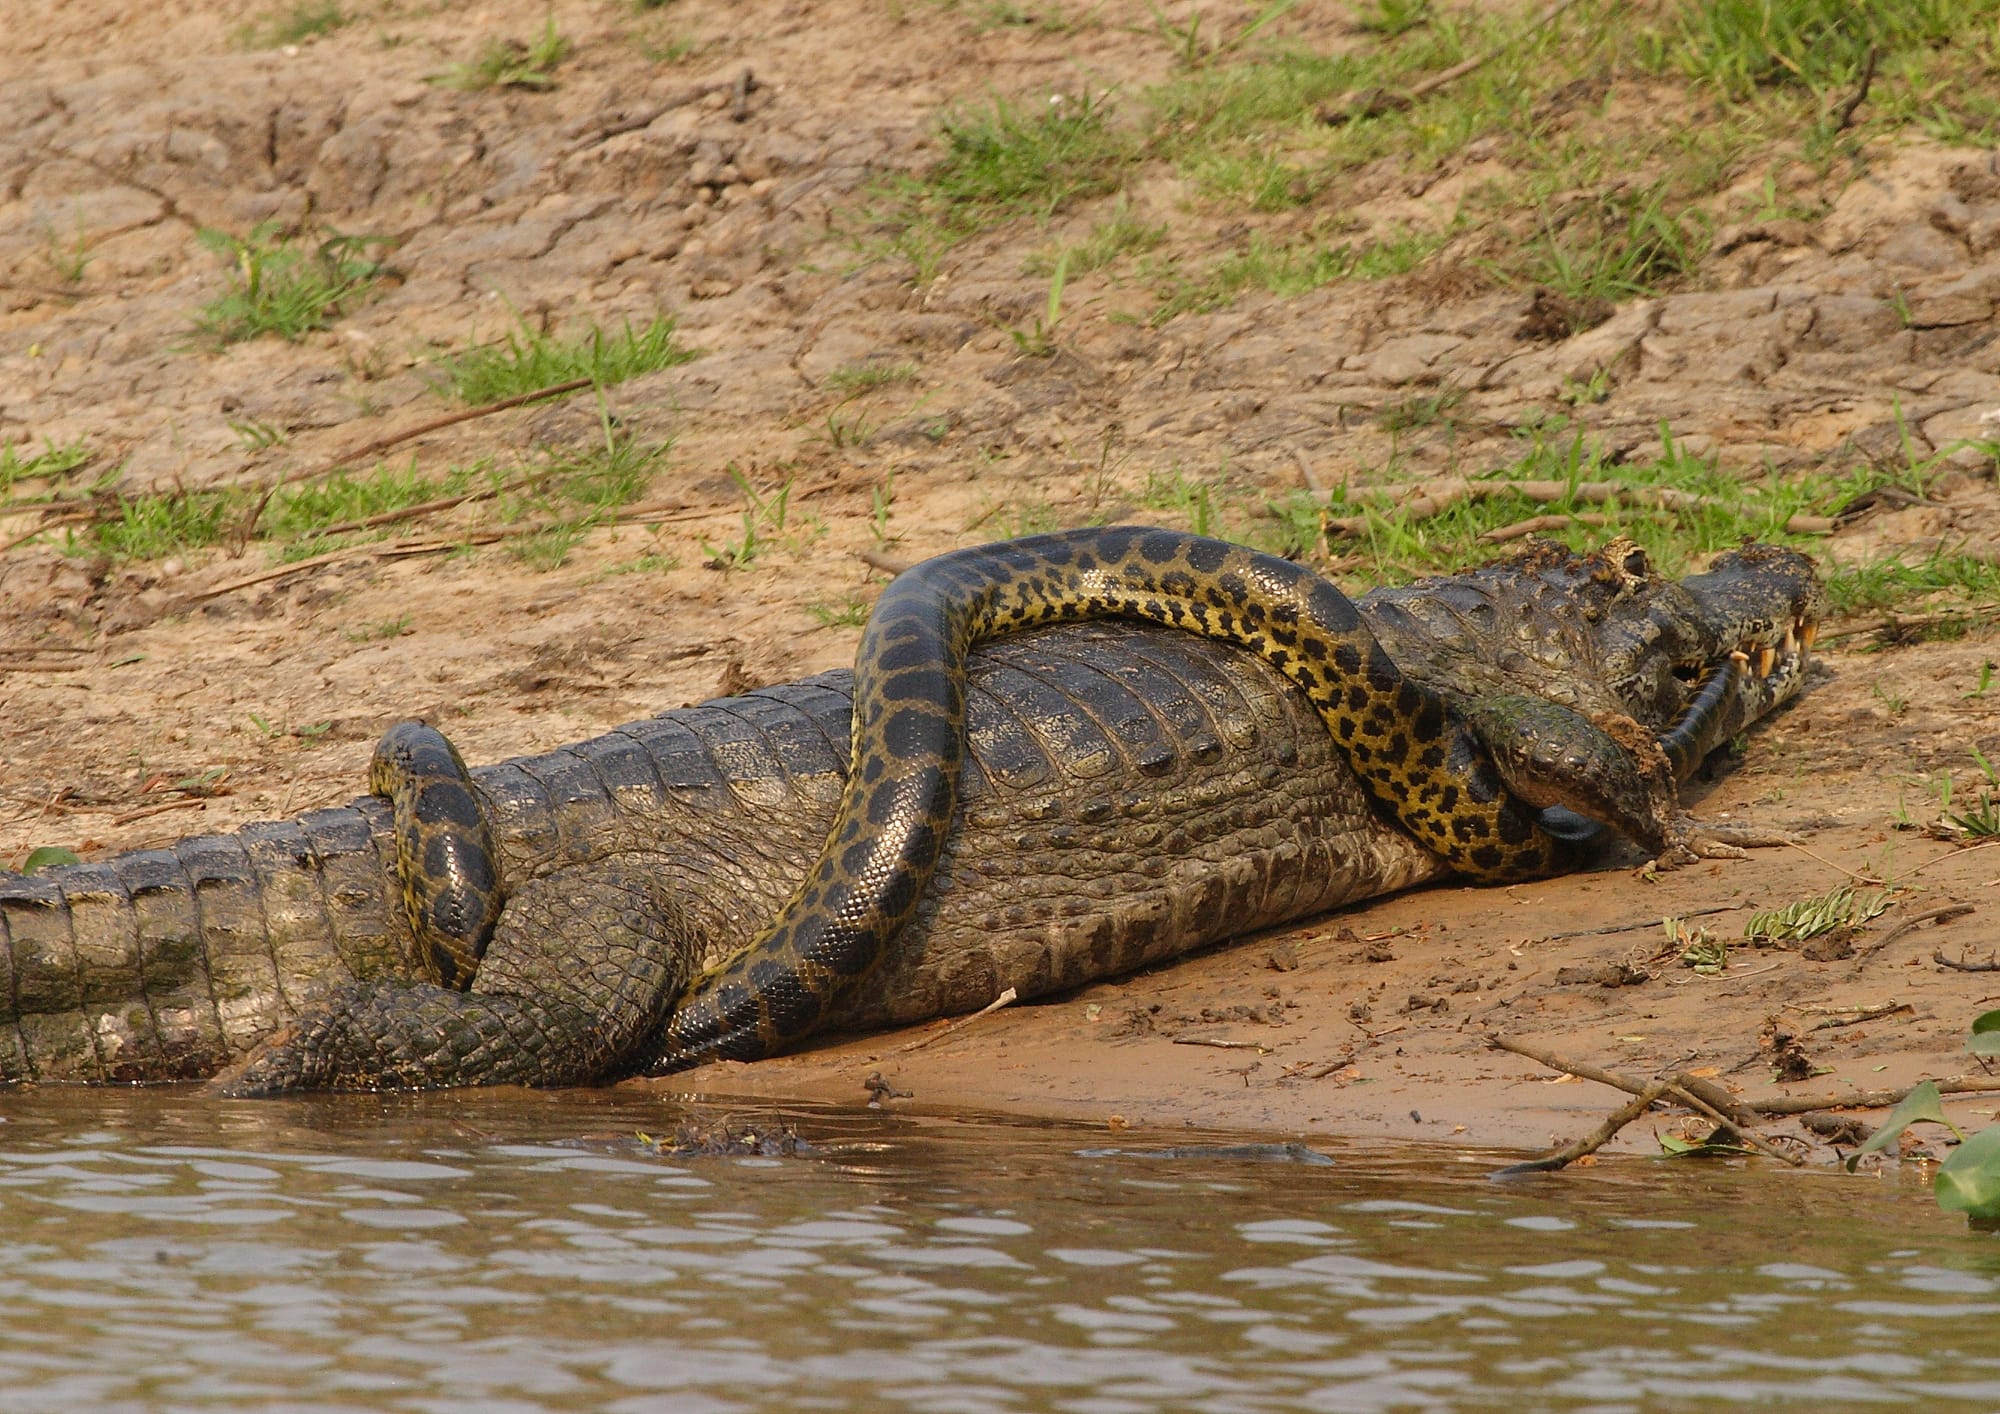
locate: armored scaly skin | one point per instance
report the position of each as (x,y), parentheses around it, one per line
(1129,795)
(1418,761)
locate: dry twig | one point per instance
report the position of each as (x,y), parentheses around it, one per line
(1006,998)
(1369,102)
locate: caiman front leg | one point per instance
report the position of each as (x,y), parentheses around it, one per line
(580,974)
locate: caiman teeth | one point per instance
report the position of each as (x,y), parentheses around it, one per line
(1766,656)
(1808,632)
(1739,657)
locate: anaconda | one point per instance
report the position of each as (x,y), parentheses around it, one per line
(1416,758)
(1129,794)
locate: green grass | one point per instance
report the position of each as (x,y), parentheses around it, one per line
(508,63)
(51,463)
(1579,194)
(579,491)
(1743,45)
(553,504)
(527,359)
(1003,162)
(856,378)
(1117,235)
(301,20)
(277,286)
(1287,270)
(851,612)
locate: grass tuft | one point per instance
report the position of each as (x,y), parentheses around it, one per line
(528,358)
(278,287)
(508,63)
(299,21)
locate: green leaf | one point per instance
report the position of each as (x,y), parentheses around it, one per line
(1969,1181)
(47,857)
(1922,1103)
(1985,1039)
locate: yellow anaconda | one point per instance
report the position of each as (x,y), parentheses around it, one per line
(448,866)
(1418,760)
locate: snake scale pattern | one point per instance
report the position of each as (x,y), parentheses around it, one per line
(1412,754)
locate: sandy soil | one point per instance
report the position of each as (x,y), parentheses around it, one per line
(651,180)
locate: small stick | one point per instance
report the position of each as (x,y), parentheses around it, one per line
(1990,965)
(1320,1072)
(1845,114)
(1220,1044)
(7,649)
(1006,998)
(394,550)
(1866,1013)
(192,803)
(1642,923)
(72,518)
(1535,525)
(1306,475)
(383,444)
(1590,1144)
(1910,925)
(1369,102)
(888,564)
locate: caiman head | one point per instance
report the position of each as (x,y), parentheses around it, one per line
(1606,632)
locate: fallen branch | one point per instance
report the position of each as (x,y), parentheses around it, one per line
(1990,965)
(1870,1099)
(1220,1044)
(1369,102)
(1697,1092)
(1590,1144)
(1006,998)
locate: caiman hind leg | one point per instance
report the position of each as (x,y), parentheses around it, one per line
(577,980)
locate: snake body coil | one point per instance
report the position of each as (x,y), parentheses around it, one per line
(1422,764)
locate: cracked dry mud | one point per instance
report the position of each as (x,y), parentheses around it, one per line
(639,185)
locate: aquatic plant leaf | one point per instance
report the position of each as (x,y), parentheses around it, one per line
(47,857)
(1985,1038)
(1969,1181)
(1922,1103)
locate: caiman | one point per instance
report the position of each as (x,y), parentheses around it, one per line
(1129,793)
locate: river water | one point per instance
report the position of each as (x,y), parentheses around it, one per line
(511,1252)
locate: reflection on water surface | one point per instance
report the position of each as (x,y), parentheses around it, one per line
(525,1253)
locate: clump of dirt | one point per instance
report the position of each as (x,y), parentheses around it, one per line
(714,163)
